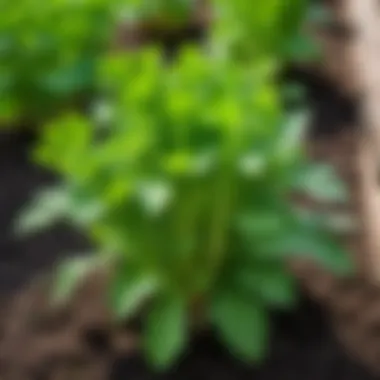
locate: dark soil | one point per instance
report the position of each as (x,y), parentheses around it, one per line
(21,259)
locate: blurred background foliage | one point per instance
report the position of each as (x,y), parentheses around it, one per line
(49,50)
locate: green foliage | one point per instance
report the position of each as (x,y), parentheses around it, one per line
(49,50)
(184,182)
(239,317)
(166,331)
(271,27)
(166,11)
(48,53)
(182,178)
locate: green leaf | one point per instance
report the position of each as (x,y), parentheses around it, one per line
(103,114)
(320,182)
(243,325)
(69,275)
(252,164)
(293,93)
(292,16)
(313,244)
(49,207)
(54,152)
(155,196)
(301,47)
(292,137)
(274,285)
(166,332)
(70,80)
(319,14)
(84,208)
(128,291)
(261,223)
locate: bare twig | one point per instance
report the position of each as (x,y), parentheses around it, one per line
(364,54)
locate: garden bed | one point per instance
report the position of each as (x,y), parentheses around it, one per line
(81,340)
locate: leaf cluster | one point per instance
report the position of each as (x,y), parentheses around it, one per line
(48,54)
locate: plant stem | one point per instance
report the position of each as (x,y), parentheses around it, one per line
(219,224)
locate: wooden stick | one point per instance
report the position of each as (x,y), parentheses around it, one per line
(364,54)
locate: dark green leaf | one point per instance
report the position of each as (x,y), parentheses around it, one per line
(292,17)
(166,332)
(243,325)
(301,47)
(274,285)
(292,136)
(261,223)
(293,93)
(308,243)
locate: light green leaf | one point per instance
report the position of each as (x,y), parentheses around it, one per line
(128,291)
(49,207)
(252,164)
(103,113)
(155,196)
(166,332)
(85,210)
(242,324)
(321,182)
(69,275)
(292,137)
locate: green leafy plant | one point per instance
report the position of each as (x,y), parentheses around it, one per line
(48,54)
(182,178)
(183,183)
